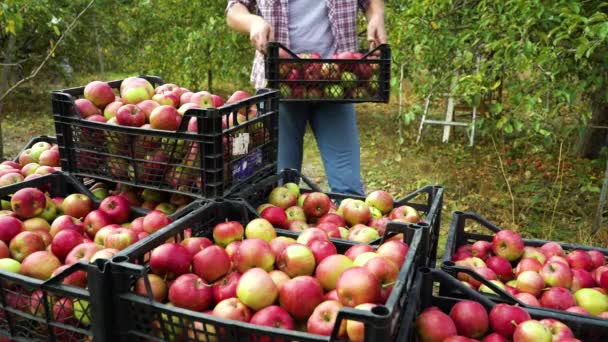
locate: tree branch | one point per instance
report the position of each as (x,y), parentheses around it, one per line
(51,52)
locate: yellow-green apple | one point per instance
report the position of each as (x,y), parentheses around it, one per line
(135,90)
(211,263)
(165,118)
(557,298)
(120,238)
(274,216)
(147,106)
(355,250)
(532,331)
(297,226)
(25,158)
(282,197)
(527,298)
(362,258)
(363,234)
(501,266)
(301,199)
(10,265)
(558,329)
(254,253)
(579,259)
(528,264)
(470,318)
(111,109)
(232,308)
(321,249)
(40,265)
(94,221)
(481,249)
(226,287)
(380,200)
(232,249)
(157,285)
(330,269)
(101,234)
(10,177)
(296,289)
(557,274)
(343,232)
(29,169)
(508,244)
(550,249)
(170,260)
(196,244)
(273,316)
(356,286)
(386,272)
(533,252)
(164,207)
(405,213)
(530,282)
(434,325)
(117,207)
(486,289)
(296,260)
(185,107)
(293,188)
(83,251)
(592,300)
(323,319)
(166,98)
(227,232)
(359,93)
(64,242)
(9,228)
(77,205)
(66,222)
(356,212)
(316,204)
(99,93)
(86,108)
(28,202)
(333,91)
(26,243)
(191,292)
(279,278)
(279,243)
(256,289)
(295,213)
(330,71)
(76,278)
(311,234)
(395,251)
(106,254)
(504,318)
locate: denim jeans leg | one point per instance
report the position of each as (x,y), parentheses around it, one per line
(292,126)
(335,129)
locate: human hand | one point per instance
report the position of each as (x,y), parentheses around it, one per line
(376,34)
(260,33)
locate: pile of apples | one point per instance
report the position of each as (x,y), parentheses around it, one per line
(469,321)
(341,79)
(168,203)
(547,276)
(354,219)
(139,104)
(40,159)
(252,275)
(41,236)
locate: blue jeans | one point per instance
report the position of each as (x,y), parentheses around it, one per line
(335,129)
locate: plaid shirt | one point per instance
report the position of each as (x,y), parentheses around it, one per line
(342,17)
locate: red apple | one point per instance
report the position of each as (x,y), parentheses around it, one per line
(279,243)
(94,221)
(40,265)
(77,278)
(147,106)
(130,115)
(354,251)
(557,274)
(321,249)
(66,222)
(530,282)
(211,263)
(528,264)
(481,249)
(279,278)
(227,232)
(356,212)
(527,299)
(578,310)
(190,292)
(155,220)
(226,287)
(316,204)
(165,118)
(386,272)
(434,325)
(157,285)
(86,108)
(332,218)
(64,242)
(232,308)
(106,254)
(470,318)
(28,202)
(380,200)
(504,318)
(330,269)
(323,319)
(558,329)
(120,238)
(581,279)
(273,316)
(395,251)
(500,266)
(282,197)
(170,260)
(254,253)
(550,249)
(356,286)
(405,213)
(508,244)
(24,244)
(580,259)
(196,244)
(116,207)
(9,228)
(597,258)
(292,293)
(83,251)
(557,298)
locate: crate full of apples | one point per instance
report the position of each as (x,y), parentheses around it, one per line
(54,241)
(473,317)
(38,158)
(348,76)
(142,132)
(292,201)
(559,277)
(234,277)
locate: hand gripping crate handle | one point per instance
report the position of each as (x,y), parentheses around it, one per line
(454,269)
(274,46)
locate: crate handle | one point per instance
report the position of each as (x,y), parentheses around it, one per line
(440,275)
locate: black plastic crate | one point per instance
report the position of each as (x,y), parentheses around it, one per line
(24,319)
(208,163)
(428,200)
(457,236)
(363,78)
(142,318)
(423,295)
(41,138)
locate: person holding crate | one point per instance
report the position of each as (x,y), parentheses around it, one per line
(327,27)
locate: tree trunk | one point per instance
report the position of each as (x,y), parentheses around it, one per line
(99,51)
(594,137)
(4,77)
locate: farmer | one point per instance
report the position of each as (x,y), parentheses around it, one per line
(326,27)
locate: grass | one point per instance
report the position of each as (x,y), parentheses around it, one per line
(544,204)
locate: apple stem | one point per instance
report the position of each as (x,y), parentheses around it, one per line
(388,284)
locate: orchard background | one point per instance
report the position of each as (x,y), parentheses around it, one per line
(538,162)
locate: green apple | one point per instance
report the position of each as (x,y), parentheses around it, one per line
(349,80)
(6,205)
(594,301)
(363,258)
(50,210)
(486,289)
(342,204)
(82,311)
(343,232)
(152,195)
(10,265)
(334,91)
(376,213)
(285,91)
(100,193)
(301,200)
(293,188)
